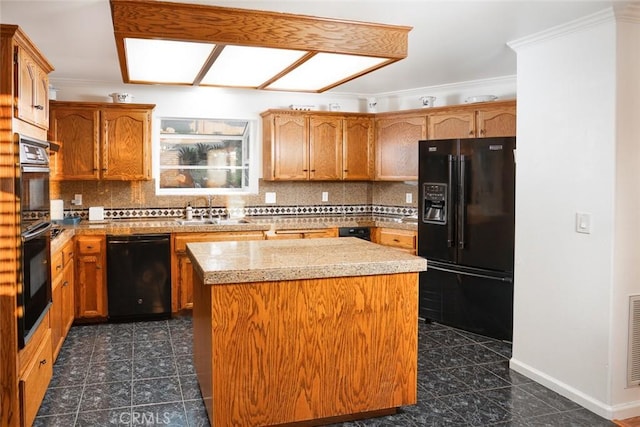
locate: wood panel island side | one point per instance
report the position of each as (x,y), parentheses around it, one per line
(304,332)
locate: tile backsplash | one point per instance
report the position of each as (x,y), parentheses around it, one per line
(138,198)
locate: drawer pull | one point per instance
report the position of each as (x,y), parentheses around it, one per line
(43,362)
(396,240)
(38,107)
(89,247)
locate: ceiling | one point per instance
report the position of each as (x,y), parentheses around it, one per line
(451,41)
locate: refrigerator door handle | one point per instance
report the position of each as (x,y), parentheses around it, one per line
(461,203)
(450,240)
(468,273)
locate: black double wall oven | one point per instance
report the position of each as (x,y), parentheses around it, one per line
(34,273)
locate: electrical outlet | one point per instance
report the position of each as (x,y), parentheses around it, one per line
(77,200)
(269,197)
(408,197)
(325,196)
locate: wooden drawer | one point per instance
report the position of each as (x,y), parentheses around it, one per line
(57,264)
(312,233)
(180,241)
(398,238)
(67,252)
(34,382)
(90,245)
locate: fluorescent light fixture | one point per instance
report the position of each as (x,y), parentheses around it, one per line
(162,42)
(323,70)
(245,66)
(165,61)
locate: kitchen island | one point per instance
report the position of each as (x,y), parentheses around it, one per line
(304,332)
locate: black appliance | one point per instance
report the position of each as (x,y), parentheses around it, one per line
(363,233)
(139,277)
(466,232)
(32,188)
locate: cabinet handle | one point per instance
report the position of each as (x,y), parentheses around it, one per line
(38,107)
(89,247)
(43,362)
(481,131)
(104,169)
(396,240)
(471,133)
(66,283)
(98,267)
(58,267)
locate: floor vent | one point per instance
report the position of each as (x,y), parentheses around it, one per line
(633,367)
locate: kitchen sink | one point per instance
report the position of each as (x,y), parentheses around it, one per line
(214,221)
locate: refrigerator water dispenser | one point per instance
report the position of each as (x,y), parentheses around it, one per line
(434,203)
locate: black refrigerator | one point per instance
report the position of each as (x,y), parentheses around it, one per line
(466,232)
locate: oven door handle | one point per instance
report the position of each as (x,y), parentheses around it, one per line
(32,234)
(42,169)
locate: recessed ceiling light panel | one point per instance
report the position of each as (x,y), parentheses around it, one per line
(323,70)
(245,66)
(165,61)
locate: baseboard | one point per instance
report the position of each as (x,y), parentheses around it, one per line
(619,412)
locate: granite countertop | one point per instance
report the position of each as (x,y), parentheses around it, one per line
(257,223)
(275,260)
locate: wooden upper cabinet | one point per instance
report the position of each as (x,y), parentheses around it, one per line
(474,121)
(397,146)
(33,90)
(78,132)
(357,148)
(325,148)
(452,125)
(496,121)
(101,141)
(30,79)
(126,145)
(286,155)
(302,146)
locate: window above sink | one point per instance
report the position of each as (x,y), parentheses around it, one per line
(206,156)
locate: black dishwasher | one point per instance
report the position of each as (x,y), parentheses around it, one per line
(139,276)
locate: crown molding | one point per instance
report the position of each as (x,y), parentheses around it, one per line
(606,15)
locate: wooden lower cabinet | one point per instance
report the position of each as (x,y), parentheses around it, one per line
(311,233)
(35,362)
(91,277)
(181,271)
(62,311)
(406,240)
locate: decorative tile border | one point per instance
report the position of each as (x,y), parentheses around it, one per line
(256,211)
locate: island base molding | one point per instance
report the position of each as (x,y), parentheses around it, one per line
(306,352)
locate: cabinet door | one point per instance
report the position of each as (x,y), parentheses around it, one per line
(55,316)
(185,283)
(78,133)
(32,91)
(68,299)
(290,148)
(325,148)
(397,147)
(357,149)
(126,145)
(497,122)
(452,125)
(91,291)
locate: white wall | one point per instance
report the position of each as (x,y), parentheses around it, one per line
(567,304)
(626,249)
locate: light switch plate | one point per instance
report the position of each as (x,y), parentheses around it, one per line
(325,196)
(408,197)
(583,222)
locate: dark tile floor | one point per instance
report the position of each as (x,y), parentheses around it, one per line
(133,374)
